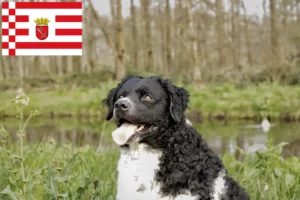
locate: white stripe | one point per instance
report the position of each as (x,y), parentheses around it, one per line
(5,52)
(33,38)
(49,52)
(4,38)
(48,12)
(31,24)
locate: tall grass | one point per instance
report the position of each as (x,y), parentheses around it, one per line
(266,175)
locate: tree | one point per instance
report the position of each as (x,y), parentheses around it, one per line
(168,25)
(196,71)
(134,51)
(148,52)
(247,35)
(274,40)
(120,46)
(220,31)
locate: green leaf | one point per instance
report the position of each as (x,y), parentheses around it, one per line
(282,144)
(12,194)
(62,195)
(278,172)
(32,184)
(71,161)
(3,132)
(259,155)
(289,178)
(52,185)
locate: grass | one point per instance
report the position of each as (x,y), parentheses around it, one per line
(227,101)
(267,175)
(261,100)
(58,172)
(62,171)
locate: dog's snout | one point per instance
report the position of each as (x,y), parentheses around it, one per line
(122,104)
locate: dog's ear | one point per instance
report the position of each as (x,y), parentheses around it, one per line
(179,99)
(111,97)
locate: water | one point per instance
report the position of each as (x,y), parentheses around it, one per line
(220,136)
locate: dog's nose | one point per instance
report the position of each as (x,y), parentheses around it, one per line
(122,104)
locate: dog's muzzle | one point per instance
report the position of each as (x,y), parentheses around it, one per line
(122,105)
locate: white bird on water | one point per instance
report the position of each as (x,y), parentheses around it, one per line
(265,125)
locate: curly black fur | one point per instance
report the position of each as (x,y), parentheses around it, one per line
(187,163)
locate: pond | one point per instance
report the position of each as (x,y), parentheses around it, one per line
(221,136)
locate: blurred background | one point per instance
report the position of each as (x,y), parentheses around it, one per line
(197,40)
(239,59)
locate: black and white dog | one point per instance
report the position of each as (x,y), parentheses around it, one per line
(162,156)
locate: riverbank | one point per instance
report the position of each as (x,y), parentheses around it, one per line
(212,101)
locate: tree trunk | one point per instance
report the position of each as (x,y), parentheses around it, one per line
(274,40)
(36,66)
(178,34)
(168,25)
(238,30)
(112,43)
(284,8)
(220,31)
(196,71)
(233,32)
(120,47)
(161,24)
(148,53)
(298,22)
(135,46)
(247,36)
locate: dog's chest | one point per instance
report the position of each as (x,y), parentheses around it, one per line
(136,179)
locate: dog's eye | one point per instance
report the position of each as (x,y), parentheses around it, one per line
(147,97)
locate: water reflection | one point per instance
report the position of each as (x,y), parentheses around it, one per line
(220,136)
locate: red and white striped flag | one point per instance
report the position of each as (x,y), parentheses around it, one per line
(41,28)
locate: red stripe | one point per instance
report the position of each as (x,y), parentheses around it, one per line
(4,18)
(19,18)
(19,31)
(68,18)
(4,4)
(4,31)
(22,18)
(4,45)
(22,31)
(68,31)
(49,5)
(48,45)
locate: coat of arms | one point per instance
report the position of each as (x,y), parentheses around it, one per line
(41,29)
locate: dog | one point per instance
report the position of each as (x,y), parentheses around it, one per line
(162,157)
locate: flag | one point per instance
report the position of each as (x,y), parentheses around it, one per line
(41,28)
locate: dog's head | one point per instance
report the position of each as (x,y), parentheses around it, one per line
(140,105)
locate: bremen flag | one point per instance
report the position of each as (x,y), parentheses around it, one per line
(41,28)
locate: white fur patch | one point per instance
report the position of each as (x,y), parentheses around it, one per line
(136,169)
(188,122)
(219,186)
